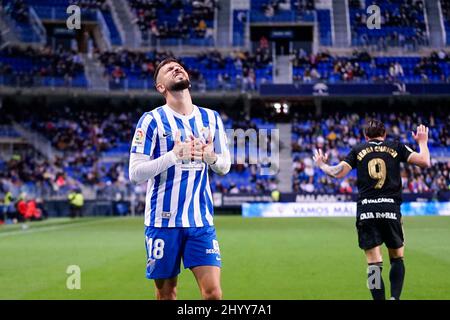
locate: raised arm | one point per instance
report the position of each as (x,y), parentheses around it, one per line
(338,171)
(421,158)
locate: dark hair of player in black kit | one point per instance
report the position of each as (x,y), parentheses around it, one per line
(374,129)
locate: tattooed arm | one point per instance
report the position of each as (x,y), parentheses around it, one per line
(338,171)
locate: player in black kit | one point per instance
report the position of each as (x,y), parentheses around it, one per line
(378,221)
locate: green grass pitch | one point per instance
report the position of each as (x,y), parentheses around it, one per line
(297,258)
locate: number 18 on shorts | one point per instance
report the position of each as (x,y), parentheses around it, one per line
(167,246)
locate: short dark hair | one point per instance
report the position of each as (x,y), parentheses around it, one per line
(374,128)
(163,63)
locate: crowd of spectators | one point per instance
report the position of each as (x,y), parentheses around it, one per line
(28,66)
(84,141)
(363,67)
(76,132)
(132,61)
(245,176)
(213,70)
(338,132)
(235,71)
(83,137)
(404,18)
(176,18)
(32,175)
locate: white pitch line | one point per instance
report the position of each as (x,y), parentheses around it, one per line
(52,228)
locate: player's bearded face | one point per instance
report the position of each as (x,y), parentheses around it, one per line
(179,85)
(178,78)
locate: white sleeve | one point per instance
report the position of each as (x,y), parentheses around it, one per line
(143,169)
(223,163)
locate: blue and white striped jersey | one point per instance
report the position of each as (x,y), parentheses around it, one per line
(180,196)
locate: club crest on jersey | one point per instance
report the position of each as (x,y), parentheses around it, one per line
(139,137)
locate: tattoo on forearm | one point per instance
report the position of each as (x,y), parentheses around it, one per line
(332,170)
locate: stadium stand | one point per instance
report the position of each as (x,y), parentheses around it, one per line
(245,177)
(21,14)
(209,70)
(175,22)
(44,67)
(92,144)
(402,24)
(282,10)
(84,137)
(362,67)
(55,10)
(292,11)
(240,20)
(324,22)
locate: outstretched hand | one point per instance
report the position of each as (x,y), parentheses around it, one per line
(421,136)
(320,158)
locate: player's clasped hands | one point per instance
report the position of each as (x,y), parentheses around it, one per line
(194,149)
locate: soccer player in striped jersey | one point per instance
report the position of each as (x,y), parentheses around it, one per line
(172,149)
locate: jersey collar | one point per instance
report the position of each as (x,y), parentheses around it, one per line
(179,115)
(376,141)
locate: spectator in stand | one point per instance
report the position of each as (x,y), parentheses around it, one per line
(117,74)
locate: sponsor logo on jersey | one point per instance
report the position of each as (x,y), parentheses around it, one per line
(139,137)
(379,200)
(378,215)
(166,215)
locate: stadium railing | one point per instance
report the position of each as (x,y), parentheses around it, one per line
(104,28)
(282,16)
(37,26)
(52,82)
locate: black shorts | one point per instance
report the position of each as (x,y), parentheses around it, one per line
(379,229)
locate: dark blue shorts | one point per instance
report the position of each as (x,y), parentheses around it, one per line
(167,246)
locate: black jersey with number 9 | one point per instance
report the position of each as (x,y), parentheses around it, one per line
(378,168)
